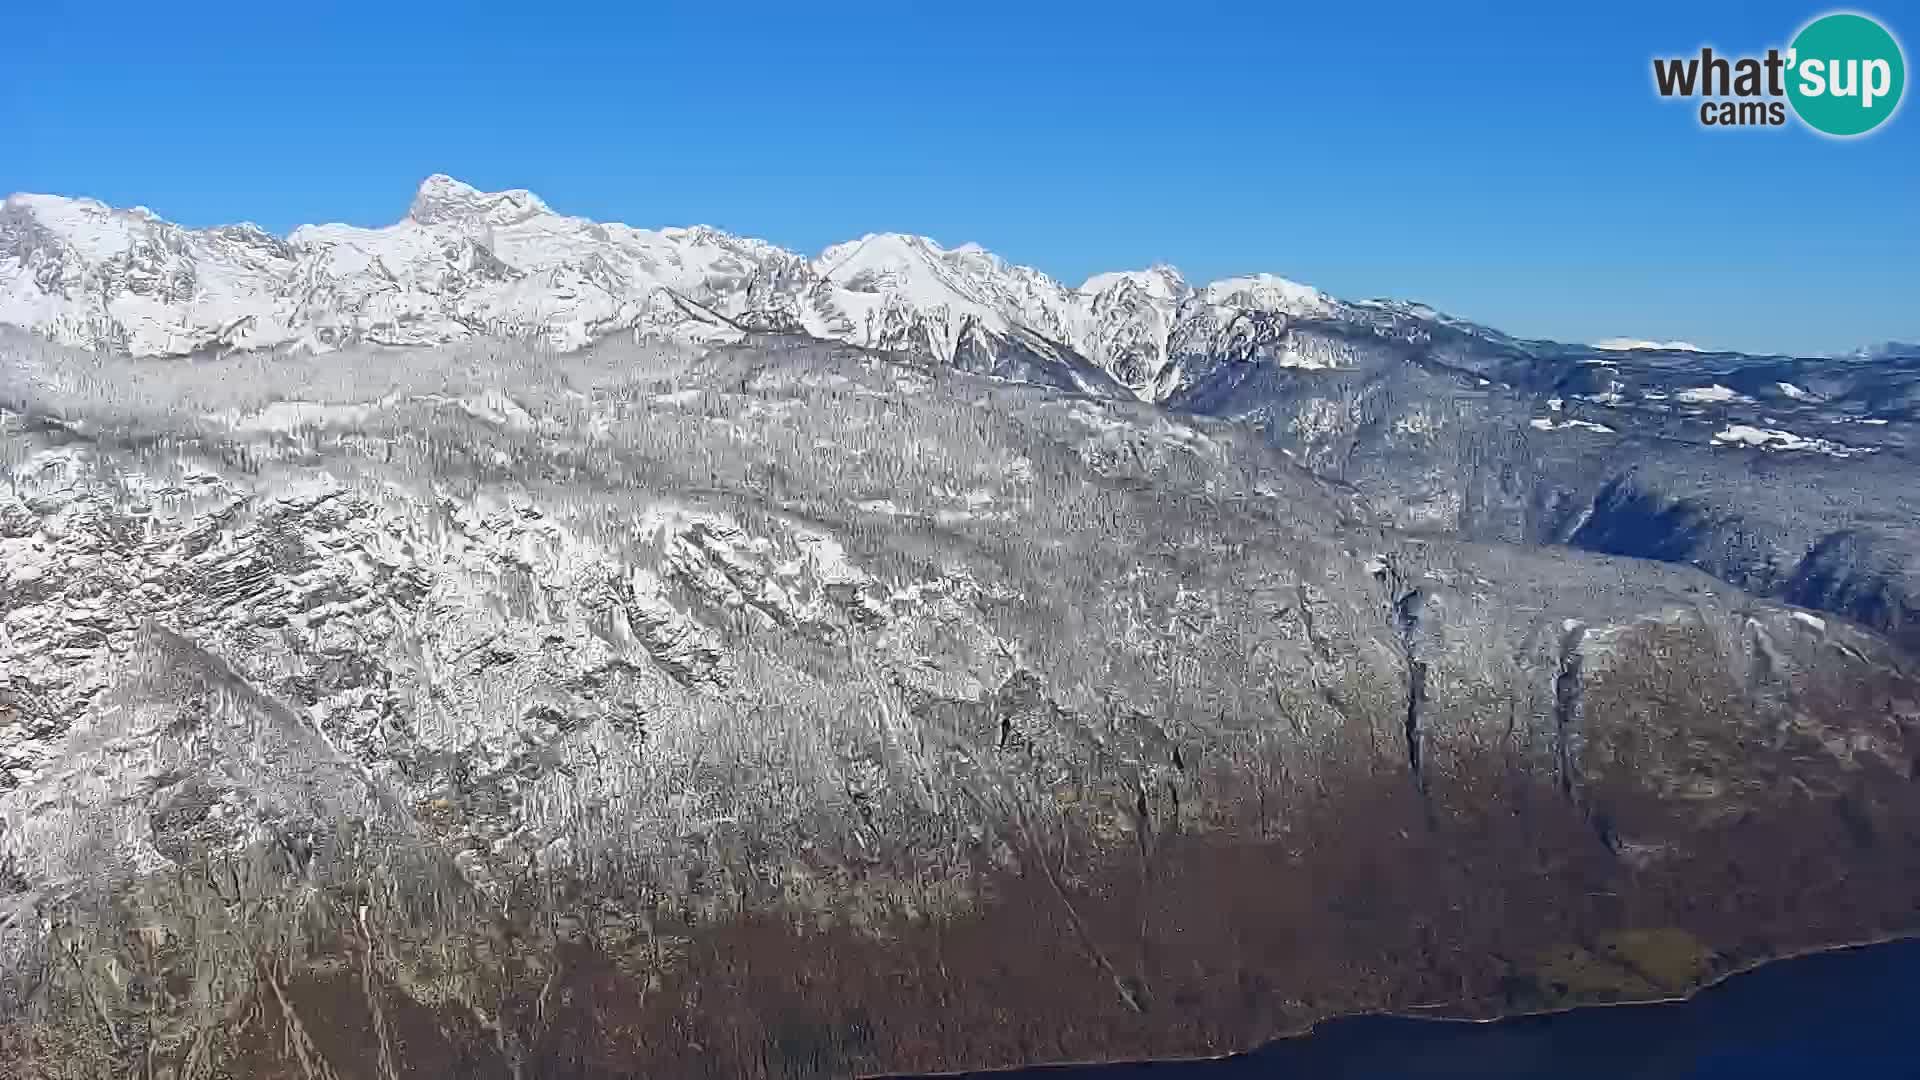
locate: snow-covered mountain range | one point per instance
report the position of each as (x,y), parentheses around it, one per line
(464,263)
(780,697)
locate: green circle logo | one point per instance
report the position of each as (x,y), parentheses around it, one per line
(1845,74)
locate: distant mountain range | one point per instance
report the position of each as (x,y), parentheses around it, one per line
(464,263)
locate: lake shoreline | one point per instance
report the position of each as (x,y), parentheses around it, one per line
(1320,1026)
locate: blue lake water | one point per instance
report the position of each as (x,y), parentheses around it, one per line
(1844,1014)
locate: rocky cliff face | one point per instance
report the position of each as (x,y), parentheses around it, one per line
(788,708)
(1782,476)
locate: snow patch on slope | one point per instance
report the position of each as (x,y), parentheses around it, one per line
(1619,344)
(1773,439)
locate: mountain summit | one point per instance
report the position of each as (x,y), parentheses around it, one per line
(442,198)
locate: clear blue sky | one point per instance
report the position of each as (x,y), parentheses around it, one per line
(1509,163)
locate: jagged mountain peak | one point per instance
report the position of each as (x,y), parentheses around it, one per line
(920,271)
(1159,281)
(442,198)
(1268,292)
(876,259)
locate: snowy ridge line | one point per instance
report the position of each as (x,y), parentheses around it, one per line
(464,264)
